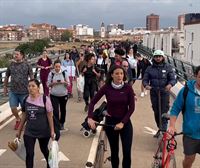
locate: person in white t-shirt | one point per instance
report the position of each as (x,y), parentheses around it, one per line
(132,62)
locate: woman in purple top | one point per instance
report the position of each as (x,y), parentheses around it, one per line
(120,106)
(45,65)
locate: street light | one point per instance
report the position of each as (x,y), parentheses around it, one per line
(189,44)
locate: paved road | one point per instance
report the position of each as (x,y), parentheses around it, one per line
(76,147)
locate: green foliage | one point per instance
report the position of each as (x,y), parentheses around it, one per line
(66,36)
(4,61)
(35,47)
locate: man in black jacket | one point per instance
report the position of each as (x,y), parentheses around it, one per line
(159,78)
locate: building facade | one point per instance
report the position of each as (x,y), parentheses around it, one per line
(11,33)
(170,41)
(152,22)
(191,42)
(181,21)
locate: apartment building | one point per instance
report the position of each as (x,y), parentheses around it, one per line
(152,22)
(11,33)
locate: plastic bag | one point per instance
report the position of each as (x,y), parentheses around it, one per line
(18,147)
(80,83)
(53,159)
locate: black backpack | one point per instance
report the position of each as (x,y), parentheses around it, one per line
(52,75)
(55,121)
(185,92)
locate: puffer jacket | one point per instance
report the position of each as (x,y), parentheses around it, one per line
(159,75)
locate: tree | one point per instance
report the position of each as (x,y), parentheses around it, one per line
(34,48)
(66,36)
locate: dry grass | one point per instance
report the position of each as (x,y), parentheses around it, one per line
(4,45)
(65,46)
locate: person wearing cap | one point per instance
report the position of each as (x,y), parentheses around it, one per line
(159,78)
(119,58)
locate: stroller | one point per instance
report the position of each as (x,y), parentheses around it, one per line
(98,116)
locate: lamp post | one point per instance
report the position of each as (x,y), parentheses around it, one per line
(188,46)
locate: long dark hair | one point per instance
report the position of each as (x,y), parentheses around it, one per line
(109,78)
(35,81)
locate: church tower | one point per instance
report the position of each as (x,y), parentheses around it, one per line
(102,30)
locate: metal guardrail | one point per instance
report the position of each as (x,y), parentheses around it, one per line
(183,70)
(33,63)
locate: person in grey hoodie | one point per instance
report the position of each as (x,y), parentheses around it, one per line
(58,82)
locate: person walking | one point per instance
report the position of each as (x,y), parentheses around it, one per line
(90,73)
(45,65)
(189,104)
(19,72)
(38,120)
(142,64)
(69,66)
(132,62)
(159,78)
(58,81)
(125,65)
(79,66)
(120,106)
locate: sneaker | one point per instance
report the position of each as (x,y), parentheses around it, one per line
(70,95)
(142,94)
(62,127)
(17,123)
(146,92)
(79,99)
(86,108)
(157,134)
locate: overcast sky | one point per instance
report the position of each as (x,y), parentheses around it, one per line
(64,13)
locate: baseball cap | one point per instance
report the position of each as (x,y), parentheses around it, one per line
(158,52)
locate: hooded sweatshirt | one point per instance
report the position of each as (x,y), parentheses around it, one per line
(191,116)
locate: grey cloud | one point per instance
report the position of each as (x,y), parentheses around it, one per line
(93,12)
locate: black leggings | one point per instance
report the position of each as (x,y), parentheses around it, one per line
(29,143)
(59,105)
(126,135)
(89,90)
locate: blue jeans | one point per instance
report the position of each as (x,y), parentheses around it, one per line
(16,99)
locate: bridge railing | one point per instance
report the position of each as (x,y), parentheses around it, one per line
(33,63)
(183,70)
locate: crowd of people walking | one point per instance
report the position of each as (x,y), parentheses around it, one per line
(108,69)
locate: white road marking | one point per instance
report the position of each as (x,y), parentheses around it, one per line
(7,122)
(61,157)
(149,130)
(2,151)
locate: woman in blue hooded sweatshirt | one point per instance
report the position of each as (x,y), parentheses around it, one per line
(191,119)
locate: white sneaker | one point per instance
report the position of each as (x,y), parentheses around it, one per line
(145,92)
(142,94)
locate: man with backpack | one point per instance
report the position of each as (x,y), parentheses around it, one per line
(188,101)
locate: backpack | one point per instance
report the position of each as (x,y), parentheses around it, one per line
(55,121)
(185,92)
(52,75)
